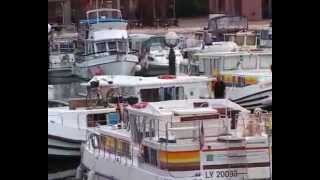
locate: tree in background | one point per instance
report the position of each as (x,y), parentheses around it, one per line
(191,8)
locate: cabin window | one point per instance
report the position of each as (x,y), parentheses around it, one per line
(250,62)
(153,157)
(168,94)
(171,93)
(112,46)
(179,93)
(264,34)
(239,40)
(122,46)
(265,61)
(109,144)
(200,104)
(55,48)
(101,47)
(210,157)
(150,156)
(127,91)
(231,63)
(90,48)
(123,148)
(80,47)
(66,47)
(94,119)
(95,141)
(251,40)
(150,95)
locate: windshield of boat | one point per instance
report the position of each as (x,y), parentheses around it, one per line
(62,47)
(228,23)
(265,61)
(156,47)
(111,46)
(249,62)
(154,41)
(104,14)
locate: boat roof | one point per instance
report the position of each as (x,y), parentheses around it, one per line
(183,107)
(134,81)
(103,9)
(122,133)
(234,53)
(66,109)
(109,34)
(254,73)
(140,36)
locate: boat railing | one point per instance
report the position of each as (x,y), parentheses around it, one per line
(97,144)
(256,124)
(189,132)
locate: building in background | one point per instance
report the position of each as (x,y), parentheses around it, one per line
(252,9)
(151,12)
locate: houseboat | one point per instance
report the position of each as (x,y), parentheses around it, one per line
(180,139)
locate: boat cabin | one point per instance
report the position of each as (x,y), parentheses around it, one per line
(241,64)
(62,46)
(80,117)
(222,24)
(154,89)
(185,138)
(103,33)
(245,40)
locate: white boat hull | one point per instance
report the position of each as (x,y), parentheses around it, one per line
(108,66)
(251,97)
(64,141)
(103,168)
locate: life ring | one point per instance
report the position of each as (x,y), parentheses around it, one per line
(167,76)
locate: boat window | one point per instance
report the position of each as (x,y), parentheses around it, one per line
(66,47)
(153,157)
(90,48)
(112,46)
(109,144)
(94,119)
(265,61)
(55,48)
(171,93)
(150,95)
(150,156)
(123,148)
(156,47)
(146,154)
(200,104)
(95,141)
(122,46)
(249,62)
(239,40)
(168,94)
(179,93)
(101,47)
(265,34)
(79,47)
(127,91)
(210,157)
(251,40)
(92,15)
(231,63)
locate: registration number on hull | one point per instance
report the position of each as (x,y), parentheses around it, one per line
(222,174)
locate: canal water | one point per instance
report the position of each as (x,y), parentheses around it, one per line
(62,89)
